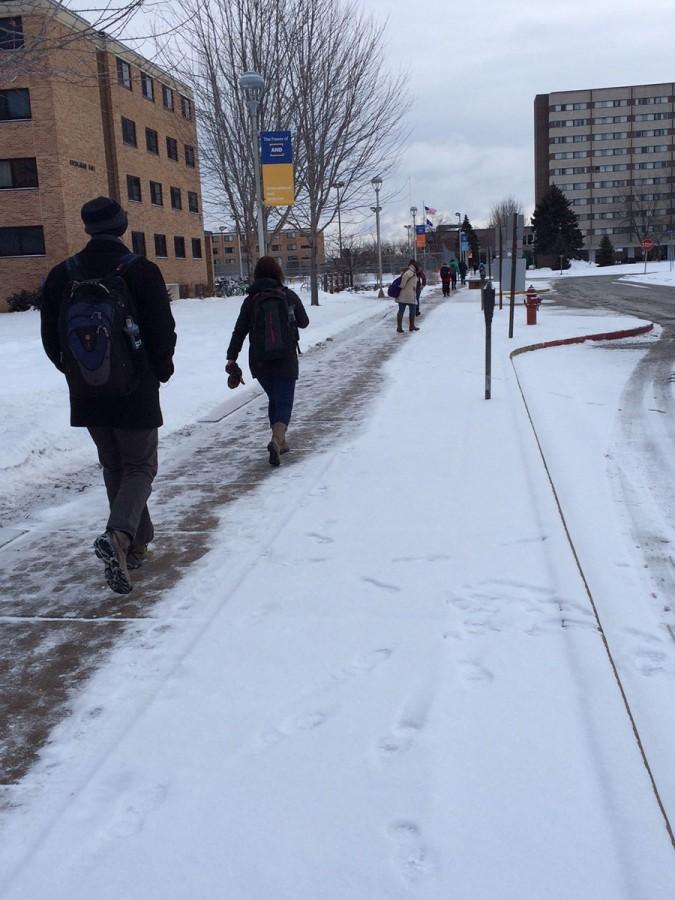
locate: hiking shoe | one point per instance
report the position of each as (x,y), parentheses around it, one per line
(111,547)
(137,555)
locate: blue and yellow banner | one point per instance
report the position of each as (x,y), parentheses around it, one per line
(276,154)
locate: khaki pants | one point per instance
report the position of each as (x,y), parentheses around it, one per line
(129,460)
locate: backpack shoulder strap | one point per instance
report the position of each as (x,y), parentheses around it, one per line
(126,262)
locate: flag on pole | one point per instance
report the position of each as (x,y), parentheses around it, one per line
(430,224)
(430,210)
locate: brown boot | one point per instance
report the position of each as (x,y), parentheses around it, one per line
(399,323)
(284,448)
(412,324)
(274,446)
(112,547)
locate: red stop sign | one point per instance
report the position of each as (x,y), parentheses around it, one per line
(647,244)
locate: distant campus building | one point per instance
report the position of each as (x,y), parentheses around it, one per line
(290,247)
(96,119)
(597,145)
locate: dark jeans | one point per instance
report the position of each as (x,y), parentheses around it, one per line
(129,460)
(280,392)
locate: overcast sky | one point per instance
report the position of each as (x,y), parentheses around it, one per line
(474,70)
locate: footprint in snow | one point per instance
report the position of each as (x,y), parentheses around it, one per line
(475,672)
(392,588)
(321,538)
(412,856)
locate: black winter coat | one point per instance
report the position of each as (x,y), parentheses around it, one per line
(141,408)
(287,367)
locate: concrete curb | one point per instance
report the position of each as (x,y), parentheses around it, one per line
(605,336)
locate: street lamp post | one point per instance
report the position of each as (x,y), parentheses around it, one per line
(338,186)
(221,228)
(253,86)
(413,213)
(377,184)
(459,235)
(407,228)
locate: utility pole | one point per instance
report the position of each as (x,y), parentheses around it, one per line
(377,184)
(413,211)
(338,185)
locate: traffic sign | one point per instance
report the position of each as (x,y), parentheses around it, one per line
(647,244)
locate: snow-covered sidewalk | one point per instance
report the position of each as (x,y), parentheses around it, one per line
(384,681)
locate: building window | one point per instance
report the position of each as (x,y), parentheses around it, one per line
(189,156)
(292,247)
(138,242)
(229,249)
(148,88)
(196,248)
(123,73)
(134,188)
(179,247)
(176,201)
(186,107)
(649,101)
(156,193)
(193,202)
(129,132)
(160,246)
(275,248)
(26,240)
(608,104)
(16,174)
(167,97)
(15,104)
(11,33)
(172,148)
(152,141)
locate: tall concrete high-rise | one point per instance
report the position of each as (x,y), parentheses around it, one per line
(602,145)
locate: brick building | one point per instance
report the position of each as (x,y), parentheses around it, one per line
(290,247)
(94,119)
(598,146)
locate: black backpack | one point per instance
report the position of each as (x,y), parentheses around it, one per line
(101,347)
(275,332)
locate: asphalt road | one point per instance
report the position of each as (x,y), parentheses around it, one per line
(651,302)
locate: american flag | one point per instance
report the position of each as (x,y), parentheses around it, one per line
(430,210)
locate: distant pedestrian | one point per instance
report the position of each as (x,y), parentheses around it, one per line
(463,268)
(446,277)
(408,297)
(107,325)
(481,270)
(421,284)
(270,317)
(454,272)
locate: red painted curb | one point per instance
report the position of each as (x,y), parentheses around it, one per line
(606,336)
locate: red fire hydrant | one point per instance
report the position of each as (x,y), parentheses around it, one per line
(531,305)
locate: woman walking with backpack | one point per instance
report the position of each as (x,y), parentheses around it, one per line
(270,317)
(408,297)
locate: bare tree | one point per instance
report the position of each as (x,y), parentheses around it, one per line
(643,215)
(501,213)
(350,112)
(219,42)
(37,33)
(321,62)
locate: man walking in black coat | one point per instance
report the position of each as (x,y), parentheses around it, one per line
(125,427)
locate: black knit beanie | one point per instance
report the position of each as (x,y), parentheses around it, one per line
(102,215)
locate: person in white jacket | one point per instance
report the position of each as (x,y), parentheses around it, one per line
(408,297)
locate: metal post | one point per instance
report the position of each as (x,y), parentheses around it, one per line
(241,261)
(488,301)
(413,210)
(253,85)
(377,184)
(514,251)
(501,251)
(338,185)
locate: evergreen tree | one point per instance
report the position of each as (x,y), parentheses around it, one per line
(605,254)
(467,228)
(556,227)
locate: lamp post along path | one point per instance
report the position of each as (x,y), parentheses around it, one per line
(253,86)
(377,184)
(413,213)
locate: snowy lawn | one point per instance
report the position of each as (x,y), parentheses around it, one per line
(385,680)
(38,442)
(657,272)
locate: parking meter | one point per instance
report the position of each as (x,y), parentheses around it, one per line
(488,293)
